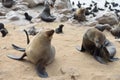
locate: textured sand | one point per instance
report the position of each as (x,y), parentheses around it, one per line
(69,64)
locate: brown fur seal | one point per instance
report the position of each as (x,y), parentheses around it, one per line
(95,42)
(46,15)
(7,3)
(39,51)
(116,31)
(80,14)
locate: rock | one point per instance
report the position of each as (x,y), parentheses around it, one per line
(63,18)
(65,11)
(92,23)
(2,13)
(33,3)
(62,4)
(108,18)
(20,7)
(12,15)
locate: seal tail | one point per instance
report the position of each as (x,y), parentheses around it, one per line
(41,71)
(16,57)
(18,48)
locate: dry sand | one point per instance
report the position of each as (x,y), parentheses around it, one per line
(69,64)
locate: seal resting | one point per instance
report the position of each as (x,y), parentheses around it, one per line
(80,14)
(116,31)
(95,42)
(46,15)
(7,3)
(3,30)
(39,51)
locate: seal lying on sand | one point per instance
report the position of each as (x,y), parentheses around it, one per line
(116,31)
(39,51)
(7,3)
(46,15)
(94,41)
(3,30)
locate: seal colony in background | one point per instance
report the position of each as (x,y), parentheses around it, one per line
(39,51)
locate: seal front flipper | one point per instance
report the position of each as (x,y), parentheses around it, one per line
(81,49)
(96,56)
(113,59)
(16,57)
(41,70)
(18,48)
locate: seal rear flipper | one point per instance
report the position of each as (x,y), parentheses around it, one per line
(18,48)
(41,71)
(81,49)
(99,59)
(113,59)
(16,57)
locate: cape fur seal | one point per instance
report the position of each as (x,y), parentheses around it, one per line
(3,30)
(95,42)
(7,3)
(39,51)
(28,17)
(80,14)
(116,31)
(46,15)
(59,29)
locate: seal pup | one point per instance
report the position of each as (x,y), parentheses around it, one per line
(59,29)
(106,4)
(3,30)
(46,15)
(39,51)
(7,3)
(93,41)
(28,17)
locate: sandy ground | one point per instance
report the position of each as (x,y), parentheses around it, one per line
(69,64)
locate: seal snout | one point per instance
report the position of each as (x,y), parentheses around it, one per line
(50,32)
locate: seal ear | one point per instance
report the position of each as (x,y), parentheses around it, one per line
(50,33)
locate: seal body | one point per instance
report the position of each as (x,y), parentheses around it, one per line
(40,48)
(46,15)
(39,51)
(80,14)
(3,30)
